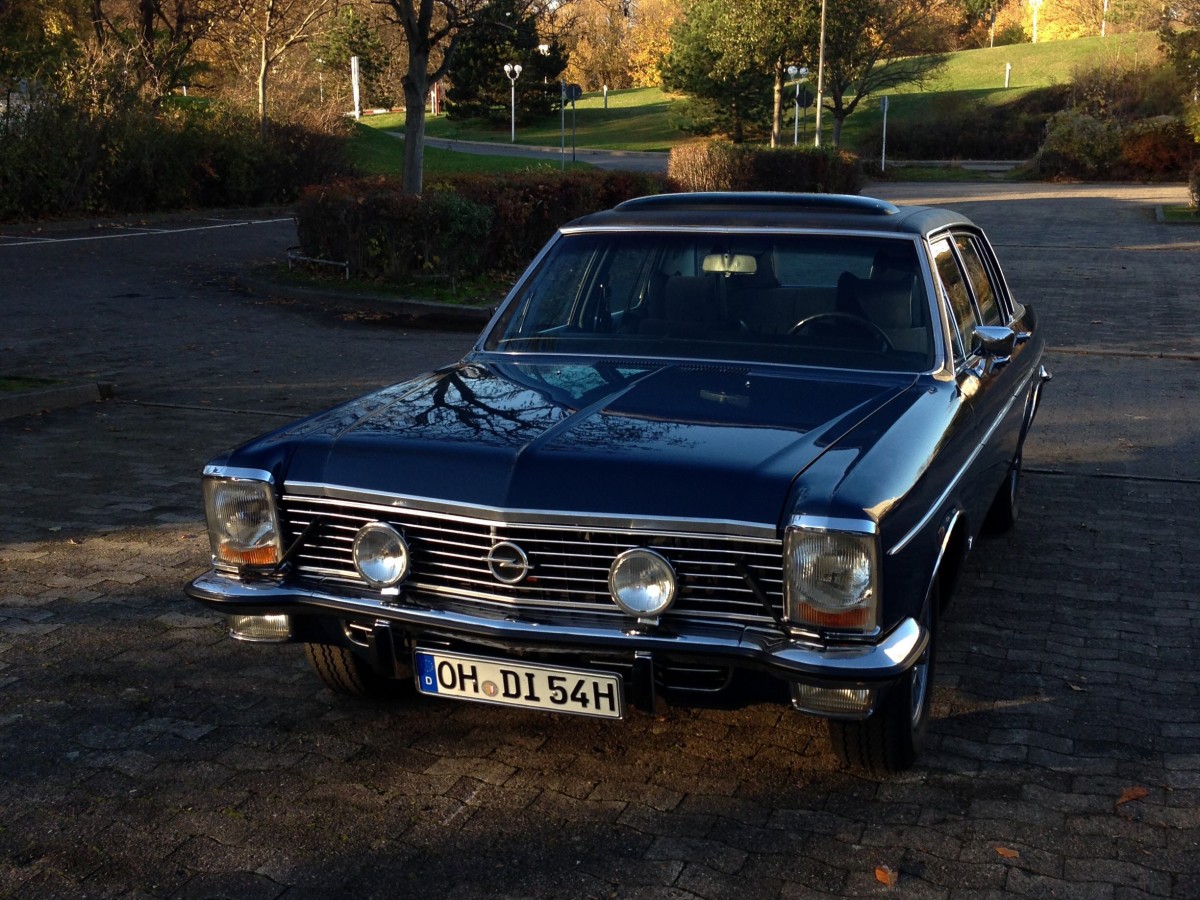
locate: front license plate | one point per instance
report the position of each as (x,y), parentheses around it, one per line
(501,681)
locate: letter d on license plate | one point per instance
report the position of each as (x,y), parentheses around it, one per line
(576,691)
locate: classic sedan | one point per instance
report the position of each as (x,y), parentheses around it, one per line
(712,449)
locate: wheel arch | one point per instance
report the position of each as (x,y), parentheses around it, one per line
(947,566)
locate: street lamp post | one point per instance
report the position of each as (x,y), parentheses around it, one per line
(513,73)
(798,75)
(821,74)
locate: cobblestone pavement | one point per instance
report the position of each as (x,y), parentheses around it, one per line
(144,754)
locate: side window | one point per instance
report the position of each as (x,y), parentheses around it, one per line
(955,286)
(981,279)
(623,278)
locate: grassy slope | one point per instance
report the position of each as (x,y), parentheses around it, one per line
(980,75)
(373,150)
(637,119)
(640,119)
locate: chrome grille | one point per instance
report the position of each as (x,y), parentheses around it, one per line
(570,564)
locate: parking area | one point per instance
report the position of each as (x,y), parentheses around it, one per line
(142,753)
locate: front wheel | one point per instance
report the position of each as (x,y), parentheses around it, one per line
(1002,515)
(345,672)
(890,740)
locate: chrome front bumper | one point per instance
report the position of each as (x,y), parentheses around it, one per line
(725,644)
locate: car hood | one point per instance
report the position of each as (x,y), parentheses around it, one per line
(625,440)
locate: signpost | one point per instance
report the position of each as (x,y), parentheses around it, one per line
(570,93)
(883,102)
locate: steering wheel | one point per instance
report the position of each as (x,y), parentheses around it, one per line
(865,327)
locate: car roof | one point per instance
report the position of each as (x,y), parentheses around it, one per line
(771,210)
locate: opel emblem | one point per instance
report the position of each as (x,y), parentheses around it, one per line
(508,563)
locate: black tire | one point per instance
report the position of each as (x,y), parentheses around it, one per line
(890,740)
(345,672)
(1002,515)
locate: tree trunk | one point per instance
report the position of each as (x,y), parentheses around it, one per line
(777,111)
(263,69)
(416,87)
(838,120)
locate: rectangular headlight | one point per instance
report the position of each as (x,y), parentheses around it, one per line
(243,525)
(832,576)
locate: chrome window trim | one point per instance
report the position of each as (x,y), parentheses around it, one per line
(954,482)
(833,523)
(942,353)
(238,473)
(519,355)
(516,517)
(910,236)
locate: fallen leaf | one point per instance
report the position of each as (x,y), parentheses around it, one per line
(1008,852)
(886,875)
(1137,792)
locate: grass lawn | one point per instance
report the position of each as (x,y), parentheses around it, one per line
(636,119)
(373,150)
(1181,215)
(932,173)
(978,75)
(18,383)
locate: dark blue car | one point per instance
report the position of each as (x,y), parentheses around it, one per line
(713,448)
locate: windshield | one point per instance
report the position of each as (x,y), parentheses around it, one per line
(844,301)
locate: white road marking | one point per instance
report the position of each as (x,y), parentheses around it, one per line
(24,241)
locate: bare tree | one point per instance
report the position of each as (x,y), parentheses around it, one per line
(274,27)
(162,34)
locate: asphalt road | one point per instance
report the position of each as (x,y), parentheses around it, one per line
(144,754)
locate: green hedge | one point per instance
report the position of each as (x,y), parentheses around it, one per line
(60,158)
(723,166)
(460,227)
(529,206)
(389,235)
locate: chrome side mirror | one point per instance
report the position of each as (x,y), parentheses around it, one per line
(994,342)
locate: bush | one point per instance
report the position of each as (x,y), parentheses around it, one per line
(384,233)
(722,166)
(527,207)
(460,227)
(60,157)
(1194,187)
(1157,149)
(1078,146)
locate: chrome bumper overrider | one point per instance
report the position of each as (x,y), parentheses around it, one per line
(730,644)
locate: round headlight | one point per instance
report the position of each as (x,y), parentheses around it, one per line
(642,583)
(380,554)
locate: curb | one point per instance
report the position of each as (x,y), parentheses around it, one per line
(433,313)
(29,403)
